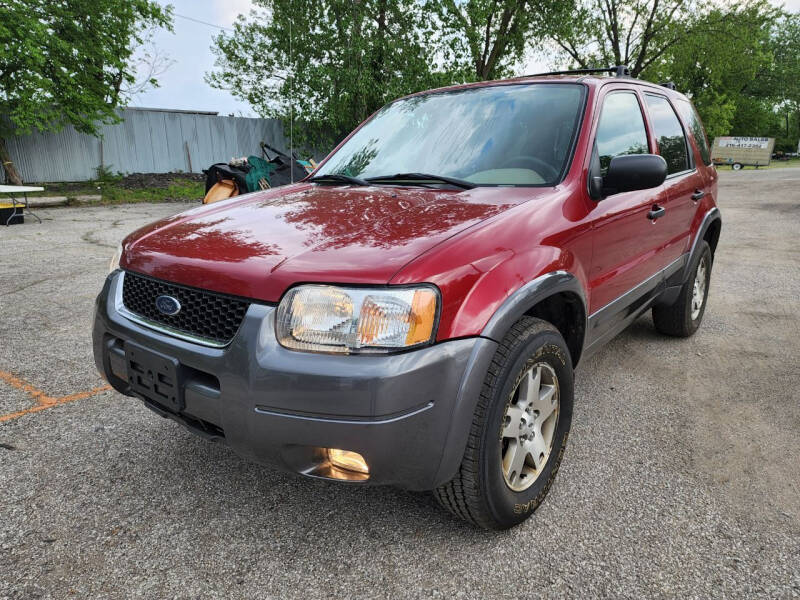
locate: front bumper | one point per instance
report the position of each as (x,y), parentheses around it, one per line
(407,414)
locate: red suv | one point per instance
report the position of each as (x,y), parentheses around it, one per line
(413,312)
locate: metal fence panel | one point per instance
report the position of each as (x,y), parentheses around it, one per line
(147,141)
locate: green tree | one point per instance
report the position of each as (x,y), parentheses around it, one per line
(737,62)
(67,62)
(640,33)
(774,93)
(626,32)
(735,49)
(325,66)
(484,39)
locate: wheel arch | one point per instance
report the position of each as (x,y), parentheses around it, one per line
(709,231)
(555,297)
(542,298)
(712,233)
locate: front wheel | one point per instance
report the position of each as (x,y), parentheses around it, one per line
(519,430)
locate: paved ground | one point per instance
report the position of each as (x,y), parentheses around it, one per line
(682,477)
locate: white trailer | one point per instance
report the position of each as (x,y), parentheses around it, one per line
(739,152)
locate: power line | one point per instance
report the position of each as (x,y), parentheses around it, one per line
(203,22)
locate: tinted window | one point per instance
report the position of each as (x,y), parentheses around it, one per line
(691,117)
(504,134)
(621,129)
(669,134)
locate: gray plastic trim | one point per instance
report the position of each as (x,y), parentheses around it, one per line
(533,292)
(711,216)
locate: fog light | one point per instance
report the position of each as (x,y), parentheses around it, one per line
(350,461)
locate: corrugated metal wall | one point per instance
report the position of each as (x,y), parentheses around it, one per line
(147,141)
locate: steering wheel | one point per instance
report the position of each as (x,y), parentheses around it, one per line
(546,171)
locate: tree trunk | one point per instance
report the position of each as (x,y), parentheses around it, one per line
(12,175)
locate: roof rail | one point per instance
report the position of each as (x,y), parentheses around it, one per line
(617,71)
(668,84)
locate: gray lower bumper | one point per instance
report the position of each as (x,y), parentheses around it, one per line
(408,414)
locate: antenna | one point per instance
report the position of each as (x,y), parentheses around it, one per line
(291,105)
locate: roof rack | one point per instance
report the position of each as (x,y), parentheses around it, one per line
(617,71)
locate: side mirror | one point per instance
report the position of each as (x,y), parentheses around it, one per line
(634,172)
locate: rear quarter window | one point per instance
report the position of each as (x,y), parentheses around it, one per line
(692,119)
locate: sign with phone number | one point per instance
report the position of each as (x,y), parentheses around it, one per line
(761,143)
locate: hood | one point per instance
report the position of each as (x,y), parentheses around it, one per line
(258,245)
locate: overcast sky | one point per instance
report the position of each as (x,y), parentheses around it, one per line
(183,86)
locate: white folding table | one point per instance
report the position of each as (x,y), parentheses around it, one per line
(12,191)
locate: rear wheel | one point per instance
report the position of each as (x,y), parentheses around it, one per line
(519,430)
(683,317)
(736,166)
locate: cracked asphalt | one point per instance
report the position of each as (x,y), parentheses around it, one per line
(681,479)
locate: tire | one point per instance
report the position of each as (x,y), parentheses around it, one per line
(481,492)
(736,166)
(683,317)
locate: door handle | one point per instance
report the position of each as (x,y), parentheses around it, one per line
(657,212)
(697,195)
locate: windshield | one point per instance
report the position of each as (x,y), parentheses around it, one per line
(499,135)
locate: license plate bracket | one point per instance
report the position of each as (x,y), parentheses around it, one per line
(154,376)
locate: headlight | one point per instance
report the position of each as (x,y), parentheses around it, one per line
(114,264)
(323,318)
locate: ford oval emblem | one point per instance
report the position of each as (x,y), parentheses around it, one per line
(168,305)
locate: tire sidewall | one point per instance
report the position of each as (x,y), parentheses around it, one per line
(507,506)
(693,324)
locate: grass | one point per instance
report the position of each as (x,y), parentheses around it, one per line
(57,189)
(185,190)
(782,164)
(113,190)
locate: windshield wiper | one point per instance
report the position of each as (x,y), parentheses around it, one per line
(418,177)
(338,178)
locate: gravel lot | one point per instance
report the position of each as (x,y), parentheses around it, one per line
(682,477)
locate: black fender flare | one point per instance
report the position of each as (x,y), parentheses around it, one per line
(510,311)
(522,300)
(712,216)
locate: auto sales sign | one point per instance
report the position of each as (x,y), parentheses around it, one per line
(741,151)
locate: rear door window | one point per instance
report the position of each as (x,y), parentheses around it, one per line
(621,128)
(669,134)
(690,116)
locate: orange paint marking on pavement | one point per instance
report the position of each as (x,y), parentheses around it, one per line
(20,384)
(43,401)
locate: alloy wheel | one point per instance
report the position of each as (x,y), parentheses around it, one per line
(529,427)
(699,289)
